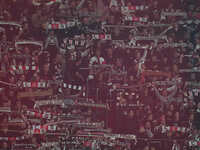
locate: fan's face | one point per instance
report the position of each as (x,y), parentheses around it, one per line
(26,49)
(109,51)
(198,105)
(22,77)
(46,67)
(4,37)
(171,107)
(98,53)
(131,113)
(148,125)
(5,145)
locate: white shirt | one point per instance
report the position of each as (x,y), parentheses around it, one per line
(94,60)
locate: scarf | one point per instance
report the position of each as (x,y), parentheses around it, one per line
(71,42)
(164,129)
(5,109)
(39,115)
(194,84)
(173,45)
(24,68)
(46,85)
(136,24)
(60,26)
(13,138)
(134,8)
(101,37)
(175,14)
(41,129)
(67,101)
(149,37)
(136,19)
(50,2)
(10,23)
(28,42)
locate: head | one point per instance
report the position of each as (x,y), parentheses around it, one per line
(26,50)
(22,77)
(131,113)
(164,93)
(51,33)
(171,107)
(119,62)
(110,51)
(198,105)
(46,67)
(98,53)
(5,145)
(148,125)
(4,37)
(5,58)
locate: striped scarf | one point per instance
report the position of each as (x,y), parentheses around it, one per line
(60,26)
(39,115)
(75,42)
(13,138)
(41,129)
(101,37)
(164,129)
(33,85)
(24,68)
(50,2)
(136,19)
(27,84)
(133,8)
(39,43)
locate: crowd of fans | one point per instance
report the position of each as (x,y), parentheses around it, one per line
(130,67)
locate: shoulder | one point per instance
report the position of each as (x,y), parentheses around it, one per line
(93,58)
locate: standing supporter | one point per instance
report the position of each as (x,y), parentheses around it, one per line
(52,46)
